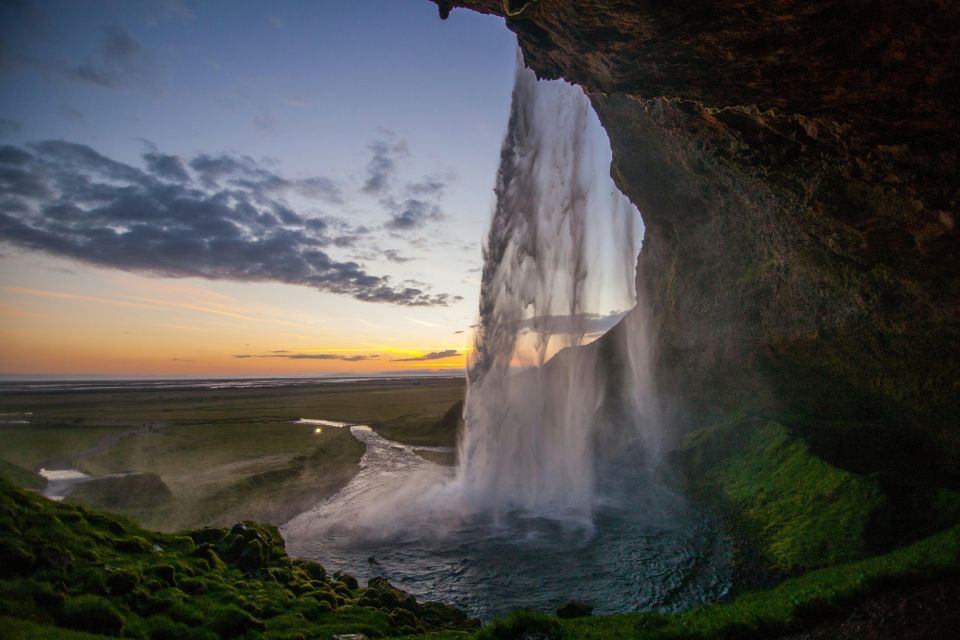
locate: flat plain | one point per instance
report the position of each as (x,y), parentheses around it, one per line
(219,455)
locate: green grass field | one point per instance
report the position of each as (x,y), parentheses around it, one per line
(225,454)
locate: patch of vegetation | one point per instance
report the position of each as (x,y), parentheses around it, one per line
(802,512)
(64,567)
(425,430)
(125,493)
(66,571)
(225,454)
(20,476)
(792,605)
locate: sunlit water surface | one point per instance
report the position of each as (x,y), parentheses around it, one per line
(654,552)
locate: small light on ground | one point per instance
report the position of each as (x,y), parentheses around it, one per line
(318,430)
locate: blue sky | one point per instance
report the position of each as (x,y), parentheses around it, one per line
(397,115)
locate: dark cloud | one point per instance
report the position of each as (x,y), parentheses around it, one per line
(436,355)
(309,356)
(430,186)
(166,167)
(218,171)
(383,165)
(411,206)
(121,62)
(228,220)
(412,214)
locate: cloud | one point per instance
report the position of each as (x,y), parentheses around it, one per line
(216,217)
(436,355)
(166,167)
(309,356)
(383,164)
(411,206)
(412,214)
(429,186)
(120,62)
(220,171)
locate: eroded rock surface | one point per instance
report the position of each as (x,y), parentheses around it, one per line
(796,165)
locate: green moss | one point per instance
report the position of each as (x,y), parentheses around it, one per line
(71,568)
(802,512)
(789,606)
(92,613)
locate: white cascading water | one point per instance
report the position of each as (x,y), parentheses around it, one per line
(562,239)
(554,497)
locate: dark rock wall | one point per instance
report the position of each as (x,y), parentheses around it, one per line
(796,165)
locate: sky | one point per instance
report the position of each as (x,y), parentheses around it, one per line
(244,188)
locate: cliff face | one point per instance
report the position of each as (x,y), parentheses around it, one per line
(796,165)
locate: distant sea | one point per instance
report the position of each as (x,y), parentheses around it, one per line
(11,385)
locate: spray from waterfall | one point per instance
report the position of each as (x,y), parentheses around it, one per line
(543,412)
(553,498)
(559,420)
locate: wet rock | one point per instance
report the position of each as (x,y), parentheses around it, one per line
(381,594)
(315,570)
(574,609)
(346,579)
(437,615)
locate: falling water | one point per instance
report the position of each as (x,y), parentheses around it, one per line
(559,229)
(555,496)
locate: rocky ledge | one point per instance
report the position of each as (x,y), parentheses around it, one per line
(796,165)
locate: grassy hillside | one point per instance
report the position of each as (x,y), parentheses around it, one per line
(69,572)
(69,567)
(801,512)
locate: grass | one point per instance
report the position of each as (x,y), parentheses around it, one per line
(225,454)
(802,512)
(425,429)
(66,567)
(792,605)
(20,476)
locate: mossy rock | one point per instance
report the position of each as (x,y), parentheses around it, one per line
(315,570)
(231,621)
(574,609)
(92,613)
(437,615)
(345,578)
(120,582)
(522,625)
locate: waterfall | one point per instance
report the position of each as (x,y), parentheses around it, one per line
(544,413)
(554,496)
